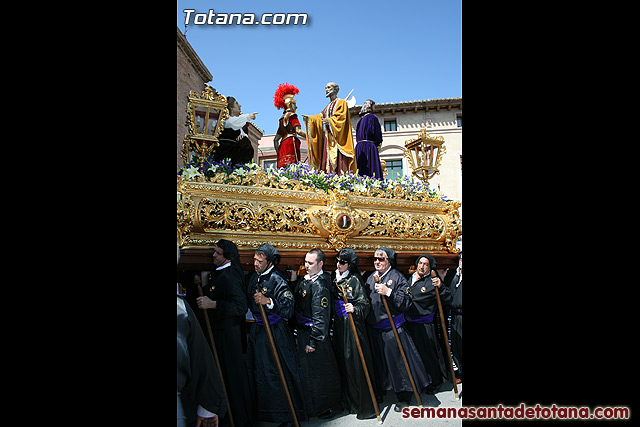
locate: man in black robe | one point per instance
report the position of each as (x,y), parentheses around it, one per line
(421,319)
(227,303)
(454,283)
(348,281)
(393,286)
(198,380)
(313,316)
(271,290)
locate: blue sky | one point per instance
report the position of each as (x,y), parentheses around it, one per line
(388,51)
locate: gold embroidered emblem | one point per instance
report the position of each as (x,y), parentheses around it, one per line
(212,288)
(304,293)
(264,290)
(423,289)
(324,302)
(409,290)
(288,294)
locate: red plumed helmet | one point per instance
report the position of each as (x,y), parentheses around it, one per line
(283,89)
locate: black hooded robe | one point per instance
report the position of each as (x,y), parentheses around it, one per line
(225,286)
(421,318)
(198,380)
(455,310)
(387,358)
(355,388)
(313,306)
(263,372)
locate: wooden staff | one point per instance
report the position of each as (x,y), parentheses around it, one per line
(395,333)
(215,357)
(364,364)
(267,326)
(446,338)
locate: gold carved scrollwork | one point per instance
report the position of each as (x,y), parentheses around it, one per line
(404,225)
(251,216)
(186,210)
(455,228)
(253,208)
(338,221)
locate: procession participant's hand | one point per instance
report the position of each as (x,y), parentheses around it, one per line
(348,307)
(382,289)
(207,422)
(206,303)
(197,280)
(436,282)
(309,349)
(259,298)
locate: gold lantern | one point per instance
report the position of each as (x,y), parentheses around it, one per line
(206,113)
(424,154)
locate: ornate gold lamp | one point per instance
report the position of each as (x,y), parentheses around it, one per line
(206,113)
(424,154)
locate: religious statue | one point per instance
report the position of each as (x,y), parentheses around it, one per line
(368,140)
(286,141)
(234,143)
(329,135)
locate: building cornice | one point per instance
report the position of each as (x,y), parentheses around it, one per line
(193,57)
(412,106)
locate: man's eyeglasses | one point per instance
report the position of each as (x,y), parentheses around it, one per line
(341,261)
(375,258)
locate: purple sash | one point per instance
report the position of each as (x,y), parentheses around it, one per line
(303,320)
(340,310)
(385,325)
(421,319)
(273,318)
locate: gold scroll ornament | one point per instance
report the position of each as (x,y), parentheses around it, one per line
(338,220)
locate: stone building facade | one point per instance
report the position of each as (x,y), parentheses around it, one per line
(401,121)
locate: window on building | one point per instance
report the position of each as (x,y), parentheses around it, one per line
(390,125)
(459,120)
(394,167)
(269,164)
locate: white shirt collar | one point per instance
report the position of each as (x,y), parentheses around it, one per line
(382,275)
(415,277)
(314,277)
(340,276)
(222,267)
(267,271)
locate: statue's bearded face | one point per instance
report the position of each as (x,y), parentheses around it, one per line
(330,89)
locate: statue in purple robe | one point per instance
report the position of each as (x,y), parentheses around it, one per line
(368,139)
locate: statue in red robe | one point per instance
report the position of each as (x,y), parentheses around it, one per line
(286,141)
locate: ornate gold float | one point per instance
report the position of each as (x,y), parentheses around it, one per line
(251,206)
(257,208)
